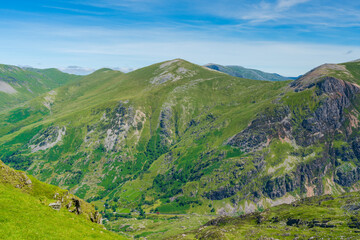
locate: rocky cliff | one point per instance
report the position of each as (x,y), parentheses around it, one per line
(328,121)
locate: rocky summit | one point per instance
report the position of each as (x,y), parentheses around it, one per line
(181,144)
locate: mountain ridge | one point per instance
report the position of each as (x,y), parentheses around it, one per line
(242,72)
(20,84)
(177,138)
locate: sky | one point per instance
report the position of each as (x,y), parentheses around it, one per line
(289,37)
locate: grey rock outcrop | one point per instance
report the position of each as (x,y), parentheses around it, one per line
(330,120)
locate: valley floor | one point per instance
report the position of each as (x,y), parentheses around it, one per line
(155,226)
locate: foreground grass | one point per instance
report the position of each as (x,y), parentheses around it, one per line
(23,216)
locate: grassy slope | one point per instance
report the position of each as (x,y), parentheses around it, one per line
(22,216)
(325,217)
(24,211)
(29,83)
(156,226)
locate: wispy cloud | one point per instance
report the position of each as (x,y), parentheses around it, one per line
(284,36)
(291,12)
(132,5)
(77,70)
(289,59)
(286,4)
(76,10)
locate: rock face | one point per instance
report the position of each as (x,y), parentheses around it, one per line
(265,127)
(327,123)
(17,179)
(47,138)
(171,71)
(335,96)
(307,178)
(77,206)
(166,126)
(6,88)
(116,126)
(55,205)
(347,175)
(329,117)
(309,79)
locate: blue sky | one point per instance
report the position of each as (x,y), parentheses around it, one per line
(285,36)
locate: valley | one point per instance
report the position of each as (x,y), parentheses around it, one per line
(163,150)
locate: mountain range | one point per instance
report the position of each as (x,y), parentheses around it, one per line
(238,71)
(179,138)
(20,84)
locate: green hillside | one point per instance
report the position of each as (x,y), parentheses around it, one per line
(114,129)
(325,217)
(18,85)
(178,138)
(25,214)
(238,71)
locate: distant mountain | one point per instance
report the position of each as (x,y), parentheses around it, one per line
(18,85)
(175,137)
(238,71)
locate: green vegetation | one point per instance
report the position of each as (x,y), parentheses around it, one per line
(186,136)
(177,138)
(27,83)
(25,214)
(156,226)
(325,217)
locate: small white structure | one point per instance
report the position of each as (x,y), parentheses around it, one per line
(55,205)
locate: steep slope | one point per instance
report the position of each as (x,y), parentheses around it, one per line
(25,211)
(308,143)
(18,85)
(238,71)
(325,217)
(175,137)
(117,135)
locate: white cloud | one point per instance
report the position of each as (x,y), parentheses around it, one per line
(265,11)
(285,4)
(289,12)
(77,70)
(124,69)
(85,70)
(289,59)
(134,46)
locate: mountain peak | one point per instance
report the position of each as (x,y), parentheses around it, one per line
(104,70)
(173,70)
(317,74)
